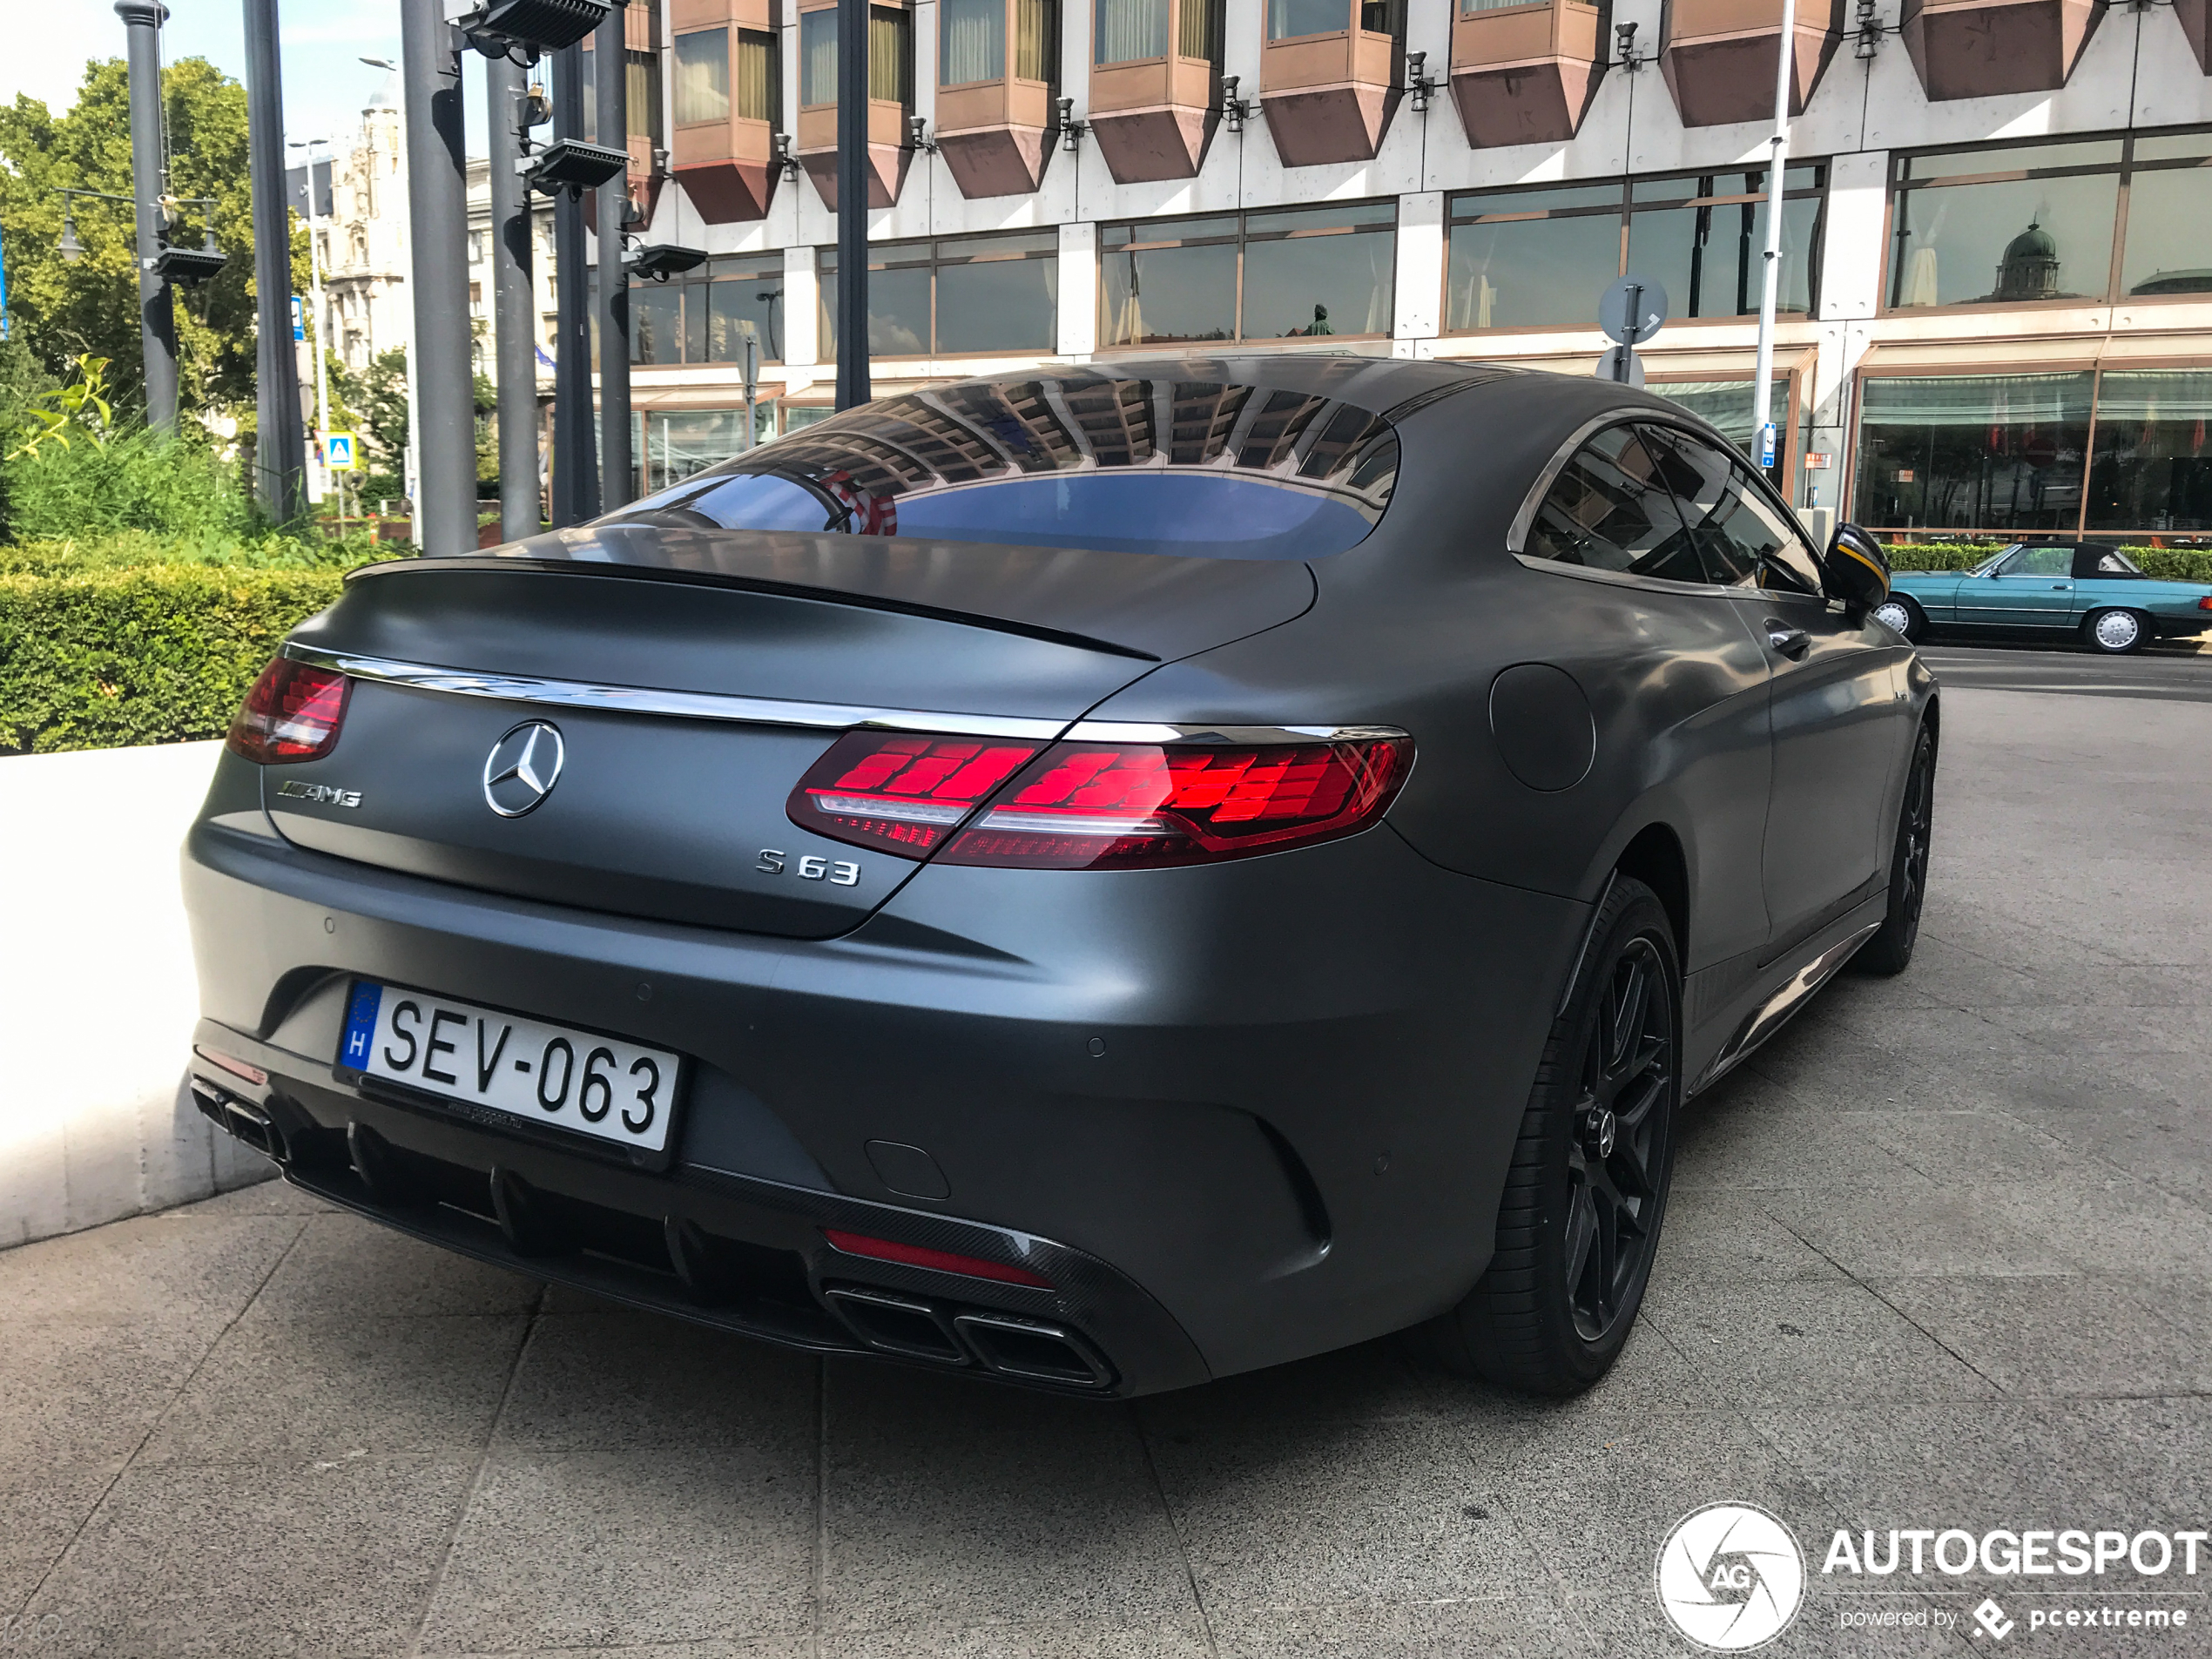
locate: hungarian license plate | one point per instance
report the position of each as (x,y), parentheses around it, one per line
(544,1074)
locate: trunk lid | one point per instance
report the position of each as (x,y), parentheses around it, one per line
(691,678)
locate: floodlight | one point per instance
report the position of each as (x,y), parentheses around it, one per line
(191,265)
(661,260)
(571,164)
(534,25)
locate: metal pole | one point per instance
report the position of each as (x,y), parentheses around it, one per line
(319,474)
(279,452)
(1761,390)
(437,225)
(513,327)
(142,21)
(610,70)
(852,203)
(576,470)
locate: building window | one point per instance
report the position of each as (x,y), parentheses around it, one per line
(1132,31)
(2015,224)
(1728,405)
(641,92)
(760,81)
(672,445)
(702,317)
(971,41)
(891,55)
(2005,453)
(1305,271)
(955,296)
(702,77)
(1536,258)
(1036,41)
(817,56)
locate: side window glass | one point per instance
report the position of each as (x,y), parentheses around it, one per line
(2042,561)
(1743,541)
(1610,509)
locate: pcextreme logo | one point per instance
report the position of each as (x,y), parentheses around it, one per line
(1730,1576)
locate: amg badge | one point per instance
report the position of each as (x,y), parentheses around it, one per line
(328,794)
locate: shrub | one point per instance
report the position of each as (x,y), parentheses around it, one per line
(174,488)
(94,659)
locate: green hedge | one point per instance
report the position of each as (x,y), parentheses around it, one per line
(164,653)
(2168,563)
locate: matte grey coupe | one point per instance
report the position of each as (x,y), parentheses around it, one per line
(1107,878)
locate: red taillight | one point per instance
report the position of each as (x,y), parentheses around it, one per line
(291,713)
(903,794)
(2205,604)
(1095,805)
(884,1249)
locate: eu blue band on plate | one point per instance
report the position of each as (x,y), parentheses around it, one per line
(361,1022)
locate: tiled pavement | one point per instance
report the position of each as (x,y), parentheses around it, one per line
(1939,1258)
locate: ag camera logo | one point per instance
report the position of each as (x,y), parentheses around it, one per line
(1730,1576)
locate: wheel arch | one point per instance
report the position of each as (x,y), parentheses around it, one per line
(1654,857)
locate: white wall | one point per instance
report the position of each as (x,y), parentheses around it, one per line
(96,995)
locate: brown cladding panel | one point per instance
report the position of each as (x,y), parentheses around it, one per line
(1718,56)
(2196,23)
(1985,48)
(1329,98)
(1526,74)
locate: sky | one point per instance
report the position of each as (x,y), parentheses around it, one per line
(320,44)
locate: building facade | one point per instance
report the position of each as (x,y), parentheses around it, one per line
(1997,278)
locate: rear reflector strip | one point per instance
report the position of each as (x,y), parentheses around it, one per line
(237,1068)
(884,1250)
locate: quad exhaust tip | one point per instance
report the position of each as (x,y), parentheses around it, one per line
(241,1119)
(1007,1344)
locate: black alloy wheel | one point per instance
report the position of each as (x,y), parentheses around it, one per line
(1578,1224)
(1890,951)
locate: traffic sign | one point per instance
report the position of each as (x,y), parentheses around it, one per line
(338,451)
(299,319)
(1620,364)
(1632,310)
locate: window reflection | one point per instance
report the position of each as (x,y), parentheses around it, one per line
(1288,19)
(1129,32)
(971,41)
(2152,468)
(2001,452)
(978,293)
(656,323)
(2015,224)
(1305,273)
(1530,270)
(703,77)
(1707,246)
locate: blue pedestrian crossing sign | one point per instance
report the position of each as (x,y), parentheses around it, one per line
(299,320)
(338,451)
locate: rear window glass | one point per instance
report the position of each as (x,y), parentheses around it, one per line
(1195,468)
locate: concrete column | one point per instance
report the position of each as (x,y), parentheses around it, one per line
(1420,265)
(802,304)
(1078,290)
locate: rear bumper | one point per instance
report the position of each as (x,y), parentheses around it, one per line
(1234,1115)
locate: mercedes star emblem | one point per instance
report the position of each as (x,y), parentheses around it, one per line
(523,768)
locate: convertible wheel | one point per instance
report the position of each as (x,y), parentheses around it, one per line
(1579,1221)
(2114,632)
(1903,616)
(1890,951)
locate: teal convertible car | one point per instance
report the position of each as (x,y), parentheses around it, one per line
(2083,588)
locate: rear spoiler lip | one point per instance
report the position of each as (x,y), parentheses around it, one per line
(483,561)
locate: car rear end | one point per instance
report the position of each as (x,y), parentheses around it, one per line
(754,926)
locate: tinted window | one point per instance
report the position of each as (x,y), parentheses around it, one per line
(1609,509)
(1742,539)
(1195,468)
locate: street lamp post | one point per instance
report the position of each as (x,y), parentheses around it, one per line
(611,75)
(318,473)
(514,313)
(142,21)
(1763,370)
(575,463)
(853,203)
(410,462)
(278,454)
(437,219)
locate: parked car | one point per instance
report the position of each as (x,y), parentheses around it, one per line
(2086,588)
(1106,878)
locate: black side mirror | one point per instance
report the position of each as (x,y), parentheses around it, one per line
(1855,570)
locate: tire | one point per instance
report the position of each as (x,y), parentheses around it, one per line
(1577,1228)
(2114,633)
(1909,620)
(1890,951)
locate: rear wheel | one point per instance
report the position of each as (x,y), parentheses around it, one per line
(1903,616)
(1579,1222)
(2114,632)
(1890,951)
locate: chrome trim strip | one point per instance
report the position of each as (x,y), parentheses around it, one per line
(688,705)
(1237,736)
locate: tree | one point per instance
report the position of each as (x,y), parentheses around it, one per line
(68,310)
(378,398)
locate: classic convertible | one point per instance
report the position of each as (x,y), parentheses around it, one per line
(2070,586)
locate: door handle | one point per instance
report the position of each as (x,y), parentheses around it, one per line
(2060,587)
(1792,642)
